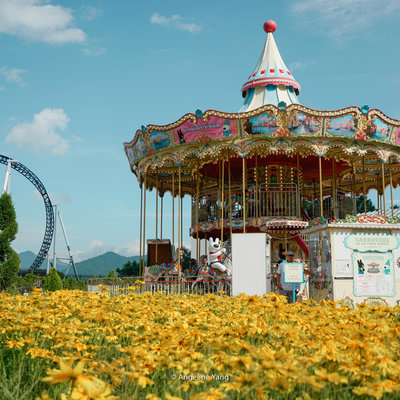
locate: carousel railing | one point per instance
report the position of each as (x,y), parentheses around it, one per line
(338,202)
(270,200)
(190,285)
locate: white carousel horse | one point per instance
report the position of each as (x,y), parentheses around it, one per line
(215,253)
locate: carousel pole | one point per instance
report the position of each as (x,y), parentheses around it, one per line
(298,187)
(179,223)
(256,192)
(162,206)
(391,185)
(144,223)
(383,190)
(230,196)
(222,199)
(173,212)
(320,187)
(197,214)
(244,193)
(364,190)
(140,243)
(157,217)
(334,187)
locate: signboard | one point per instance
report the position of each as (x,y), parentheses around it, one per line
(373,274)
(293,272)
(371,242)
(343,269)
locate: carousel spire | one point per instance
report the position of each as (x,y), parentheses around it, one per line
(271,82)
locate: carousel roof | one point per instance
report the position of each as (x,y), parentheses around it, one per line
(271,81)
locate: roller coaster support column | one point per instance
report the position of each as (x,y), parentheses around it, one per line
(6,188)
(55,237)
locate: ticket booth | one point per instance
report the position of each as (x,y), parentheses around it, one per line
(356,261)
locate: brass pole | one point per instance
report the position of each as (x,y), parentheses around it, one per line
(320,186)
(140,243)
(256,192)
(298,187)
(222,199)
(383,190)
(144,223)
(157,218)
(197,214)
(230,195)
(391,185)
(179,223)
(244,193)
(364,189)
(173,211)
(162,207)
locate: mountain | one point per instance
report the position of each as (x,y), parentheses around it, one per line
(96,266)
(27,258)
(101,265)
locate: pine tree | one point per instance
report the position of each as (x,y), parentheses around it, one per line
(52,281)
(9,260)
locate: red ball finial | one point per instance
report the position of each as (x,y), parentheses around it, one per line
(270,26)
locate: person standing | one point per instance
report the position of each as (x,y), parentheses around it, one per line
(285,289)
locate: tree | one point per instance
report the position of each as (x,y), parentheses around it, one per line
(360,204)
(111,274)
(9,260)
(131,268)
(187,255)
(52,282)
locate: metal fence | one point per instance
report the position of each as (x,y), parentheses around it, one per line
(191,286)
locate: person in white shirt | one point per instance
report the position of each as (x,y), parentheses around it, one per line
(285,289)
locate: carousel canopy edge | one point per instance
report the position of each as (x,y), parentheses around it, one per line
(201,129)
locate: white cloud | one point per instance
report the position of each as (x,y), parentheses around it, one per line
(98,247)
(344,18)
(95,51)
(13,75)
(36,20)
(90,13)
(300,65)
(175,21)
(41,134)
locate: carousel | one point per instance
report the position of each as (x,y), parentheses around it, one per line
(282,168)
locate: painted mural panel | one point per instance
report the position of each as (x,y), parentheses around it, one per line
(397,135)
(342,126)
(377,129)
(303,124)
(141,148)
(264,124)
(159,140)
(130,152)
(213,128)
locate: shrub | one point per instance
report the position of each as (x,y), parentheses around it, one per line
(52,282)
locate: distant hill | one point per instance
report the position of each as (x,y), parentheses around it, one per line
(100,265)
(27,258)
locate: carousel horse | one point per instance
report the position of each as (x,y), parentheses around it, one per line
(215,253)
(170,272)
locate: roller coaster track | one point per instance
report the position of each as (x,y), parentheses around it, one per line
(48,235)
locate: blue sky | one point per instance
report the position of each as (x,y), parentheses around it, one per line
(78,78)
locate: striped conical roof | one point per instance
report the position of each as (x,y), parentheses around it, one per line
(271,81)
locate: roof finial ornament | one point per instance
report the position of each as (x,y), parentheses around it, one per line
(270,26)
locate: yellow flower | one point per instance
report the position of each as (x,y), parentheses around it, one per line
(170,397)
(66,372)
(11,344)
(93,388)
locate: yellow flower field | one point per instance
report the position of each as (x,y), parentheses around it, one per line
(78,345)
